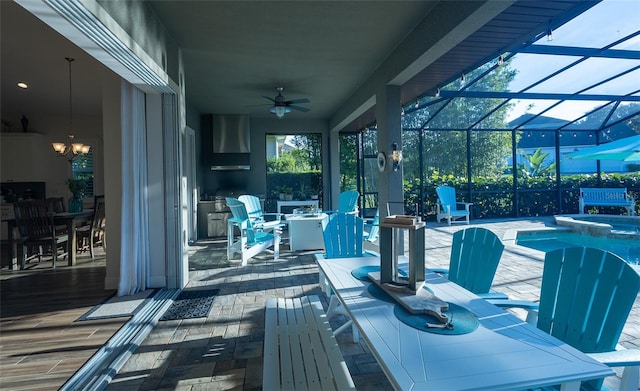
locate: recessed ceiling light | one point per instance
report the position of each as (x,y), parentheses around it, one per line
(23,85)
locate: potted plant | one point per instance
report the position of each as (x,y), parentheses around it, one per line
(284,193)
(77,187)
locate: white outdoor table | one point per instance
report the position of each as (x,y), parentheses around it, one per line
(503,353)
(305,231)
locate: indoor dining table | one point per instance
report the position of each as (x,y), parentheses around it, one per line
(71,220)
(502,353)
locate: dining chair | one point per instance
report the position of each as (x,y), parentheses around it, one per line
(585,298)
(56,204)
(474,259)
(89,236)
(343,235)
(448,206)
(37,230)
(253,240)
(259,218)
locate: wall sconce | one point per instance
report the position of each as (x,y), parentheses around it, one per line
(396,156)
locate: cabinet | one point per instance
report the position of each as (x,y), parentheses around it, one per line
(21,157)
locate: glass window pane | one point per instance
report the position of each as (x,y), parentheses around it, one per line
(584,75)
(534,67)
(416,119)
(572,110)
(614,20)
(623,85)
(626,110)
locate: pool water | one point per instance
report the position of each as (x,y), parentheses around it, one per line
(627,249)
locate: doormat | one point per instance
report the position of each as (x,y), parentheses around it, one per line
(191,304)
(119,306)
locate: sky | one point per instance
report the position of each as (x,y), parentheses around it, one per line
(603,24)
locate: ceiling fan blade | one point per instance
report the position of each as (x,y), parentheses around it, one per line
(299,108)
(271,99)
(303,100)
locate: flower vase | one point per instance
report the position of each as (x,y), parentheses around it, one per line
(75,204)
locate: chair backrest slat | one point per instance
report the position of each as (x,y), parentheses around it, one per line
(475,254)
(343,235)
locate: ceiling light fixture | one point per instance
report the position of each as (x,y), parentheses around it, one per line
(549,35)
(280,110)
(417,104)
(462,79)
(23,85)
(437,92)
(500,60)
(70,150)
(402,111)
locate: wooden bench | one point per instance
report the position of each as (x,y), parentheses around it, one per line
(606,197)
(300,351)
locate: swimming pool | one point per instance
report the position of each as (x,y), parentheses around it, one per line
(548,240)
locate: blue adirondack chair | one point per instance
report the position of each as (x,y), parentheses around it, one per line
(475,254)
(347,202)
(448,206)
(371,237)
(252,240)
(260,219)
(343,235)
(585,299)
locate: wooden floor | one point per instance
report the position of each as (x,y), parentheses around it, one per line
(41,344)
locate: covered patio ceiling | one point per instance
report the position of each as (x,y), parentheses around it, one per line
(336,53)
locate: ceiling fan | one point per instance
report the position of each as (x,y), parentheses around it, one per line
(281,107)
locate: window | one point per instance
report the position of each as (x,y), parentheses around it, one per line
(294,166)
(82,168)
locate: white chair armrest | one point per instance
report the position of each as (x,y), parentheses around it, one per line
(493,296)
(531,307)
(618,358)
(627,358)
(487,296)
(444,272)
(277,216)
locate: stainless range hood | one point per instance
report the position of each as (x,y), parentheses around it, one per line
(237,167)
(231,142)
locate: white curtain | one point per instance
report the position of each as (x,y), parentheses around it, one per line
(134,256)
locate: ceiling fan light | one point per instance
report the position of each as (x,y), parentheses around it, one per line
(279,111)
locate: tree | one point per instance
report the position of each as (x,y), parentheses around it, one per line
(348,161)
(535,165)
(451,126)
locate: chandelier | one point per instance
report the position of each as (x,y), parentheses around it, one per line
(70,150)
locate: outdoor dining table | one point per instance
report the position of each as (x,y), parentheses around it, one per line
(502,353)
